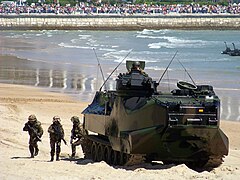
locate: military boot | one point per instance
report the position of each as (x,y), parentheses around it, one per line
(31,149)
(36,151)
(57,157)
(73,155)
(52,157)
(73,151)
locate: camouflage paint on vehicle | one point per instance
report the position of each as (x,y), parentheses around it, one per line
(138,121)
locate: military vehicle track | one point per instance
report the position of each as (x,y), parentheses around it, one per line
(101,150)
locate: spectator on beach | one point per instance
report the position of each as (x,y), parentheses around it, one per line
(120,9)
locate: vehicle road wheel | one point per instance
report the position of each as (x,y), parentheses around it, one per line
(114,157)
(117,159)
(106,154)
(94,152)
(100,152)
(123,158)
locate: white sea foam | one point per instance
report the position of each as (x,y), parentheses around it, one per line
(73,46)
(81,36)
(116,56)
(173,42)
(15,36)
(105,49)
(156,68)
(149,37)
(92,41)
(74,41)
(227,89)
(151,31)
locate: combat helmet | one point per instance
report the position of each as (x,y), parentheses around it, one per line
(136,64)
(75,120)
(32,117)
(56,118)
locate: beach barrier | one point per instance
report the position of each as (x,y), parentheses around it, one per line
(119,22)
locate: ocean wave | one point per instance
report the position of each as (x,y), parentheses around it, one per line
(15,36)
(106,49)
(177,43)
(117,56)
(75,41)
(34,60)
(149,37)
(174,42)
(86,36)
(227,89)
(73,46)
(38,34)
(151,31)
(156,68)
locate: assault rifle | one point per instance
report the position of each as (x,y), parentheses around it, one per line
(34,132)
(59,134)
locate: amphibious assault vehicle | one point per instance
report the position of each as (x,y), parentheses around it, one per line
(137,123)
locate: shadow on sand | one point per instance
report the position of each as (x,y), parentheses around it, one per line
(150,166)
(18,157)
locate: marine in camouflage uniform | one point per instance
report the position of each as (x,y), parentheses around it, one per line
(56,134)
(76,134)
(35,131)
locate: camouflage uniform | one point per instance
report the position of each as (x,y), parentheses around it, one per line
(76,133)
(56,134)
(35,131)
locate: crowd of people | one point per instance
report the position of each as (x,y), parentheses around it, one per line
(121,9)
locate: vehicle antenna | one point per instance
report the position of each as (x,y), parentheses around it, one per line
(167,66)
(115,69)
(187,72)
(99,65)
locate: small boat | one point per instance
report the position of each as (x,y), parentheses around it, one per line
(227,50)
(234,52)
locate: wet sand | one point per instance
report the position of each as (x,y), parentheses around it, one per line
(17,102)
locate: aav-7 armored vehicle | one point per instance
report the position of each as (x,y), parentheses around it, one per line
(137,123)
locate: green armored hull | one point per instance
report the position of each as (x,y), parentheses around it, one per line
(137,123)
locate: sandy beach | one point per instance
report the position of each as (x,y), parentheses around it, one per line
(18,102)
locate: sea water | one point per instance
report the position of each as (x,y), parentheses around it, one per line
(67,61)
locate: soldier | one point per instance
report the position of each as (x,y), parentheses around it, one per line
(56,134)
(35,131)
(136,67)
(76,134)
